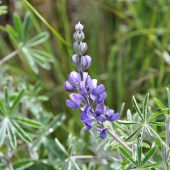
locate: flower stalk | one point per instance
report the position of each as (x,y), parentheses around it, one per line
(86,94)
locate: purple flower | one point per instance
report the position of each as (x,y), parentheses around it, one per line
(98,90)
(68,86)
(101,98)
(111,116)
(86,114)
(74,78)
(103,132)
(86,62)
(72,104)
(88,124)
(75,101)
(86,94)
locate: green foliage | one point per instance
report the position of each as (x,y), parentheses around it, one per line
(10,120)
(20,38)
(129,45)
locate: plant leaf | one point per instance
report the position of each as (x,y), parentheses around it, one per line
(145,105)
(3,129)
(127,155)
(159,103)
(16,100)
(26,25)
(139,152)
(149,154)
(11,136)
(18,26)
(127,122)
(157,123)
(21,132)
(38,39)
(137,107)
(133,133)
(29,122)
(62,148)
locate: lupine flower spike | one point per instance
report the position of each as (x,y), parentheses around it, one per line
(86,94)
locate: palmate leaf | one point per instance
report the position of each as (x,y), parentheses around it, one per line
(20,39)
(38,39)
(40,59)
(30,60)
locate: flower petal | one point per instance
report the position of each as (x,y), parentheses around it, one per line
(98,90)
(71,104)
(77,98)
(87,123)
(68,86)
(74,78)
(101,118)
(103,132)
(111,116)
(101,98)
(83,90)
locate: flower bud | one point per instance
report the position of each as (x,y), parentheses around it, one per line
(86,62)
(80,48)
(79,36)
(83,47)
(79,26)
(75,59)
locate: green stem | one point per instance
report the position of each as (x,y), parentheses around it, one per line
(50,27)
(8,57)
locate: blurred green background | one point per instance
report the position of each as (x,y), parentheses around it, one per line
(129,41)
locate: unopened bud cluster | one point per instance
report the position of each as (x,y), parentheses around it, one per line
(79,60)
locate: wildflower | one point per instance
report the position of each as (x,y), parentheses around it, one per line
(86,94)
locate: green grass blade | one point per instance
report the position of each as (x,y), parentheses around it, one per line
(53,30)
